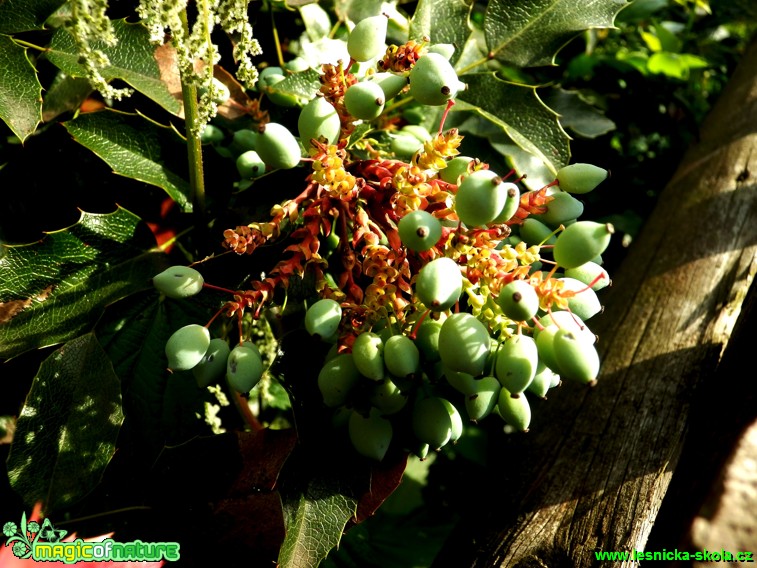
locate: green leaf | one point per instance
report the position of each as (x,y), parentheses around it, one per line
(315,519)
(20,90)
(66,433)
(443,21)
(529,33)
(303,85)
(23,16)
(65,94)
(135,148)
(133,59)
(577,114)
(668,64)
(519,112)
(55,289)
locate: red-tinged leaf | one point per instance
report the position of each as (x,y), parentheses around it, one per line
(385,478)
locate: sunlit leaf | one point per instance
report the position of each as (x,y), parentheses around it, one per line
(20,90)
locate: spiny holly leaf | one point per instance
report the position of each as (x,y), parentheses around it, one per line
(519,112)
(132,59)
(135,148)
(315,519)
(303,85)
(23,16)
(66,433)
(442,21)
(20,90)
(577,114)
(65,94)
(529,33)
(55,289)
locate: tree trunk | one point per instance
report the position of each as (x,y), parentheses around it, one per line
(592,472)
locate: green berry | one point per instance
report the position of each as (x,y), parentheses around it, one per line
(483,398)
(480,198)
(337,378)
(368,38)
(439,284)
(323,318)
(364,100)
(580,177)
(277,146)
(433,80)
(576,358)
(187,346)
(319,120)
(401,356)
(213,363)
(464,344)
(517,359)
(516,411)
(178,282)
(419,230)
(370,435)
(518,300)
(249,165)
(562,208)
(391,84)
(581,242)
(244,368)
(368,355)
(457,167)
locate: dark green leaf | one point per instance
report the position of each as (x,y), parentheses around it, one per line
(577,114)
(529,33)
(67,430)
(518,111)
(445,21)
(20,90)
(135,148)
(65,94)
(22,15)
(132,59)
(55,289)
(315,520)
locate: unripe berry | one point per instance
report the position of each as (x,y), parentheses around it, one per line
(179,282)
(518,300)
(464,344)
(427,339)
(319,119)
(516,363)
(481,402)
(322,319)
(480,198)
(187,346)
(370,435)
(584,303)
(515,411)
(401,356)
(433,80)
(249,165)
(244,368)
(419,230)
(404,145)
(581,242)
(387,397)
(576,358)
(277,146)
(368,355)
(580,177)
(534,232)
(368,38)
(213,363)
(439,284)
(337,378)
(433,421)
(511,205)
(456,167)
(562,208)
(364,100)
(591,274)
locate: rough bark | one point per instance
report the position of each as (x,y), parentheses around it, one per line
(592,473)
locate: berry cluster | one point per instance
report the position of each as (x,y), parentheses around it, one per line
(431,269)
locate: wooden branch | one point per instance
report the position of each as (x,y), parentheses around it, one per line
(592,472)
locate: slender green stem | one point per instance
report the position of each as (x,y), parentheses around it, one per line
(194,146)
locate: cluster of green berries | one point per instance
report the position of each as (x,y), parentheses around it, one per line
(191,348)
(501,281)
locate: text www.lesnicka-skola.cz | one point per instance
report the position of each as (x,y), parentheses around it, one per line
(703,555)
